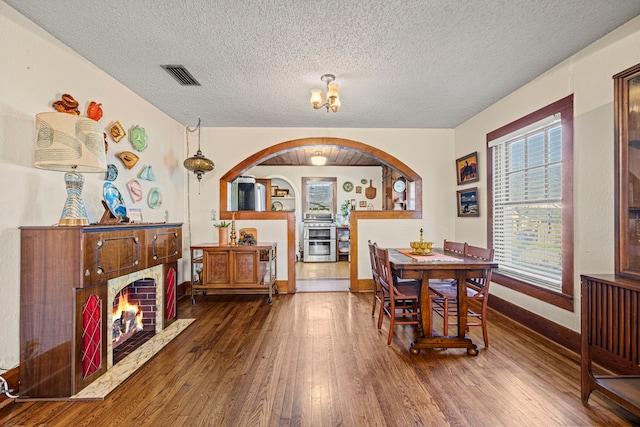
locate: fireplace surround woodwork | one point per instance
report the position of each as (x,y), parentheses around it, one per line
(69,277)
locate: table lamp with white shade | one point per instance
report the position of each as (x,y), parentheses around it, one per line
(71,144)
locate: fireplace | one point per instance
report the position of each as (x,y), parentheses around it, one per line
(134,322)
(73,275)
(141,291)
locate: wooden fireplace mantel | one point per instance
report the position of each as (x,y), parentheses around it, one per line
(61,270)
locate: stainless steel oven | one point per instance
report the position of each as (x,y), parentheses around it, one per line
(319,238)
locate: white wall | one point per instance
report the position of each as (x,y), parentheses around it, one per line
(35,69)
(429,152)
(588,76)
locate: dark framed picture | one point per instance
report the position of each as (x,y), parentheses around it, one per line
(363,203)
(467,168)
(358,189)
(468,202)
(282,192)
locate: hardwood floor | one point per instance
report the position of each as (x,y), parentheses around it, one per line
(322,270)
(318,359)
(322,277)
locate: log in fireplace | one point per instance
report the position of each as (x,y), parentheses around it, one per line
(134,317)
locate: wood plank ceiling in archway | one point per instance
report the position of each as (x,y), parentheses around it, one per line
(336,156)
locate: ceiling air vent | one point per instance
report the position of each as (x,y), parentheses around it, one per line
(181,74)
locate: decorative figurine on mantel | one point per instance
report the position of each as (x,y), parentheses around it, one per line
(421,247)
(247,237)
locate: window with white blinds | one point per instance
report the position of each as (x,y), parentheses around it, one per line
(527,209)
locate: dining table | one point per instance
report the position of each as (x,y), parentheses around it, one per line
(439,265)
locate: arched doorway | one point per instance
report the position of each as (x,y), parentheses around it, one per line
(274,150)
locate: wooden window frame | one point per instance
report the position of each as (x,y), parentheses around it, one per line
(563,299)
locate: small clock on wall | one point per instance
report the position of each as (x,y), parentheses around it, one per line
(399,186)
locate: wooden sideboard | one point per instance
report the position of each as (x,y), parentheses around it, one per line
(243,269)
(611,335)
(66,269)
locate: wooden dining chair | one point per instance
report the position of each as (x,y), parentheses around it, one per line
(378,296)
(455,247)
(399,301)
(444,297)
(441,288)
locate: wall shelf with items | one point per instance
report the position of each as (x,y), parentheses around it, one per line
(395,190)
(283,203)
(283,196)
(343,244)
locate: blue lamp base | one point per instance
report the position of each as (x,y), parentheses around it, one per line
(74,212)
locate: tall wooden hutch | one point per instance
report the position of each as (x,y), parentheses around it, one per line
(611,303)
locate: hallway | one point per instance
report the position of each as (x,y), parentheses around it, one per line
(322,276)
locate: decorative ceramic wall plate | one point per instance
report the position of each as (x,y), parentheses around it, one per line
(147,174)
(347,186)
(116,131)
(114,200)
(138,138)
(128,158)
(155,198)
(135,190)
(112,172)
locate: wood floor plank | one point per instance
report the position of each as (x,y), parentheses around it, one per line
(318,359)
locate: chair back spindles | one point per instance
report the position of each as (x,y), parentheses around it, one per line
(399,302)
(480,284)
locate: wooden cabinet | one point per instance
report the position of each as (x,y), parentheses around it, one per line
(244,269)
(611,336)
(610,304)
(627,156)
(63,271)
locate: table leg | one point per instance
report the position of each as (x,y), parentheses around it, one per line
(461,277)
(425,307)
(433,340)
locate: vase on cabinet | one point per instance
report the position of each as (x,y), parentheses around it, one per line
(223,236)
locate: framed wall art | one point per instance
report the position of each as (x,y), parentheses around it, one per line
(363,203)
(467,168)
(135,214)
(468,202)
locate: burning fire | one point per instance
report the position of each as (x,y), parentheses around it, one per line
(127,318)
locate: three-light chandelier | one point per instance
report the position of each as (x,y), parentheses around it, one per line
(333,98)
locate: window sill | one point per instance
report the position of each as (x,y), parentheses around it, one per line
(563,301)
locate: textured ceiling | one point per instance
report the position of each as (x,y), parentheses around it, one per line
(399,63)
